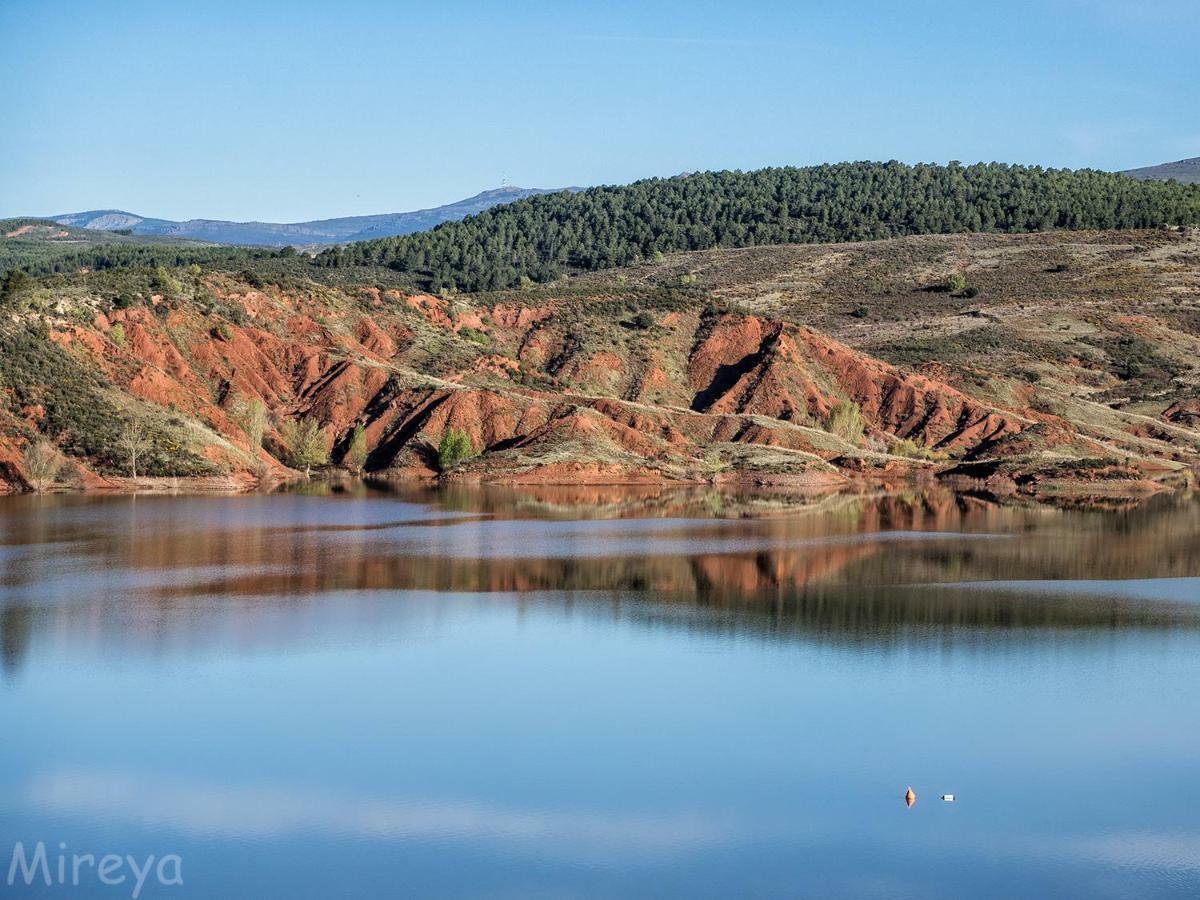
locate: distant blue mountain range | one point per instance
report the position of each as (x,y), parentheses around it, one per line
(322,231)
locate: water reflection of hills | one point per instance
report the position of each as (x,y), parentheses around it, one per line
(846,570)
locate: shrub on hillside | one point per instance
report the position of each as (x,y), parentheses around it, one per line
(355,457)
(79,414)
(251,416)
(846,421)
(454,447)
(13,284)
(474,335)
(909,449)
(305,440)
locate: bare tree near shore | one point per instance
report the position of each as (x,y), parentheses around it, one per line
(42,463)
(135,442)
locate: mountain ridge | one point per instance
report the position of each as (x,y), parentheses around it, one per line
(350,229)
(1185,171)
(279,234)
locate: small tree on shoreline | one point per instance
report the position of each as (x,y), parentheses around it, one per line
(251,416)
(42,463)
(356,451)
(136,443)
(305,441)
(454,447)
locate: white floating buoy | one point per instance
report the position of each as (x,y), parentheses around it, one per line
(949,798)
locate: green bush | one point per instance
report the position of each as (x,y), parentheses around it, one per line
(252,278)
(13,284)
(164,283)
(251,416)
(956,283)
(305,440)
(474,335)
(454,447)
(355,457)
(910,449)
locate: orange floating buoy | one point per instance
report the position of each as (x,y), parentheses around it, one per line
(910,797)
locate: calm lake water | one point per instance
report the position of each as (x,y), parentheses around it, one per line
(615,694)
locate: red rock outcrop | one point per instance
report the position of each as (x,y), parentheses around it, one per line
(788,372)
(598,413)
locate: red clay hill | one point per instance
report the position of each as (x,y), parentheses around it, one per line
(626,380)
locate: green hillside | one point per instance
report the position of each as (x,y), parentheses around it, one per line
(541,237)
(43,247)
(538,237)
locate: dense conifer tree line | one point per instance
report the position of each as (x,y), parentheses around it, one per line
(49,258)
(539,237)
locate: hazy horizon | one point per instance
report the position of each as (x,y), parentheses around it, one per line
(150,215)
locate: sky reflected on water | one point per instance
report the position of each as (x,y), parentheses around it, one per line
(490,693)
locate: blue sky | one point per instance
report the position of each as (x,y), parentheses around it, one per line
(284,111)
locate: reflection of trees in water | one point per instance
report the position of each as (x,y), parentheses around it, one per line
(819,575)
(16,628)
(873,614)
